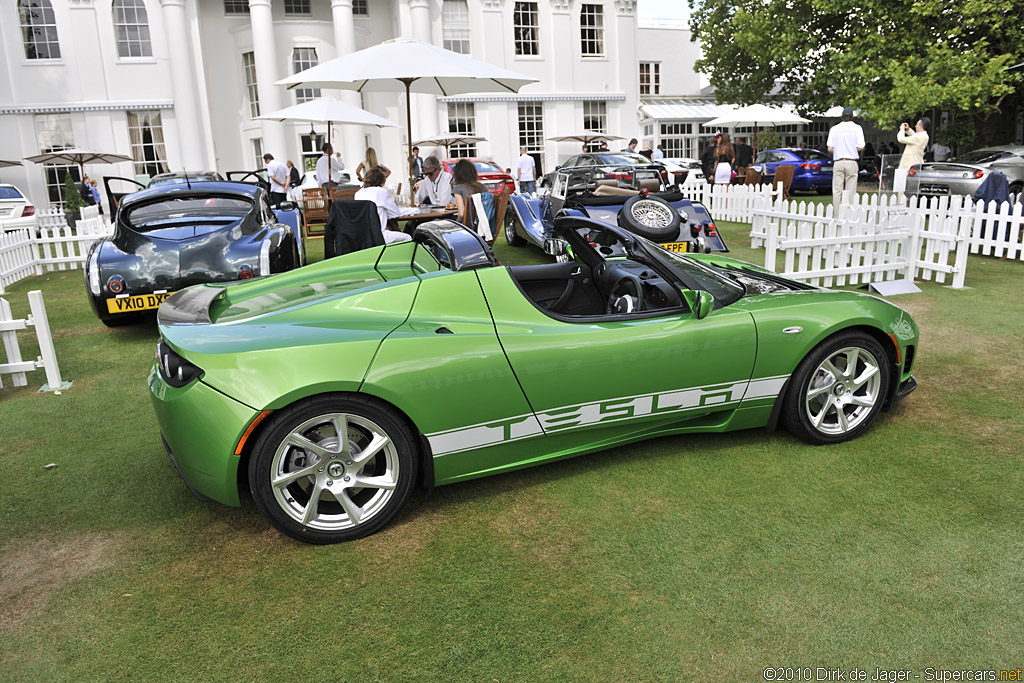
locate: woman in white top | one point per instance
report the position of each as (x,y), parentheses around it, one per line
(373,191)
(916,142)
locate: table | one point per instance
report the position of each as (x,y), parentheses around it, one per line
(425,213)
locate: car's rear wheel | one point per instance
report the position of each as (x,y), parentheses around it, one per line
(333,468)
(650,217)
(838,390)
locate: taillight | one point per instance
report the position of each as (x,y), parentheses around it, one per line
(979,173)
(912,172)
(29,210)
(618,175)
(710,230)
(245,273)
(174,369)
(808,167)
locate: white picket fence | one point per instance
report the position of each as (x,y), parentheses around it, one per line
(732,202)
(47,360)
(57,247)
(879,237)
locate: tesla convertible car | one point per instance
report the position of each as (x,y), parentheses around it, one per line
(966,173)
(175,235)
(332,390)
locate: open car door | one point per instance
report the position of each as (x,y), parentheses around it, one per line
(116,188)
(258,177)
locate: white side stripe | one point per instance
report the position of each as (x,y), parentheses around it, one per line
(601,412)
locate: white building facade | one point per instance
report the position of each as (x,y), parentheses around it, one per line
(178,84)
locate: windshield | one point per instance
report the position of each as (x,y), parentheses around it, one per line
(810,154)
(184,209)
(725,290)
(612,159)
(10,193)
(487,167)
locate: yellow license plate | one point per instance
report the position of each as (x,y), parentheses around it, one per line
(139,302)
(678,247)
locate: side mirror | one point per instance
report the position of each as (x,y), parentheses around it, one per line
(554,246)
(557,167)
(285,206)
(700,302)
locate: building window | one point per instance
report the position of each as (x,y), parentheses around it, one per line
(592,30)
(462,120)
(236,6)
(296,6)
(675,137)
(310,153)
(302,59)
(257,151)
(525,20)
(531,130)
(455,26)
(595,116)
(38,29)
(360,8)
(53,133)
(249,67)
(131,26)
(146,133)
(650,78)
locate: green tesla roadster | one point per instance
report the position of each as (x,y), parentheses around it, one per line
(331,390)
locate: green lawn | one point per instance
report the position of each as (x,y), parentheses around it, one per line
(687,558)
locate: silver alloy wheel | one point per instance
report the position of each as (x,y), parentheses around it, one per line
(843,390)
(335,472)
(651,213)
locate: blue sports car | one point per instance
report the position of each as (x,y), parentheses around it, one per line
(812,170)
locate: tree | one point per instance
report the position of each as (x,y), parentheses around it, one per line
(73,201)
(890,59)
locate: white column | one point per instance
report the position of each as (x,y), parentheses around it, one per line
(347,139)
(265,52)
(425,121)
(187,116)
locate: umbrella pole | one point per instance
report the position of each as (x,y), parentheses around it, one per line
(408,124)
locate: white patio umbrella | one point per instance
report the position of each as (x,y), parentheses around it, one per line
(4,163)
(409,66)
(78,156)
(446,140)
(756,115)
(586,137)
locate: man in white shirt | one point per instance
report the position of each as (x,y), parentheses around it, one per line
(328,167)
(659,152)
(278,175)
(845,143)
(940,152)
(436,187)
(526,172)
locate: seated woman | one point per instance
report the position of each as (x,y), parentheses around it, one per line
(465,184)
(371,162)
(373,190)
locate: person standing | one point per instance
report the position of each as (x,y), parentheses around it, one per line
(915,142)
(95,191)
(293,174)
(436,187)
(328,167)
(845,143)
(278,175)
(526,172)
(658,153)
(940,152)
(631,147)
(416,165)
(85,189)
(707,159)
(744,155)
(371,162)
(725,157)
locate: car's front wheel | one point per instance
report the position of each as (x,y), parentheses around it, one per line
(838,390)
(333,468)
(511,236)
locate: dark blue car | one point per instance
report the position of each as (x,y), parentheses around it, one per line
(812,170)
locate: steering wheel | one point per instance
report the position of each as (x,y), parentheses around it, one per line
(621,300)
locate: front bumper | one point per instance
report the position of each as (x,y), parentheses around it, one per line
(906,387)
(201,427)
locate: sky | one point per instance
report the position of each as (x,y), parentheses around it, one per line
(662,9)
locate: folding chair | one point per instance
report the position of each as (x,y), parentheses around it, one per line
(314,210)
(753,176)
(784,175)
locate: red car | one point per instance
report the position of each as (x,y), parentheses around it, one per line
(491,175)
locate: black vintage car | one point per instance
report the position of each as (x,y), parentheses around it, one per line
(169,237)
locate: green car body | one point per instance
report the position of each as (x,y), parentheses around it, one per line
(486,379)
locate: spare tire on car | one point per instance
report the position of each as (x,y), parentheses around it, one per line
(651,217)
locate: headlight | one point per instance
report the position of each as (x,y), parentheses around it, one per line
(174,369)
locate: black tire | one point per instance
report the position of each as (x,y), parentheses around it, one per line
(824,190)
(1017,189)
(651,217)
(513,238)
(344,510)
(844,406)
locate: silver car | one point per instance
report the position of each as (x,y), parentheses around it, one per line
(966,173)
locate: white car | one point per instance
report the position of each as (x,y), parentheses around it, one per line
(15,210)
(683,170)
